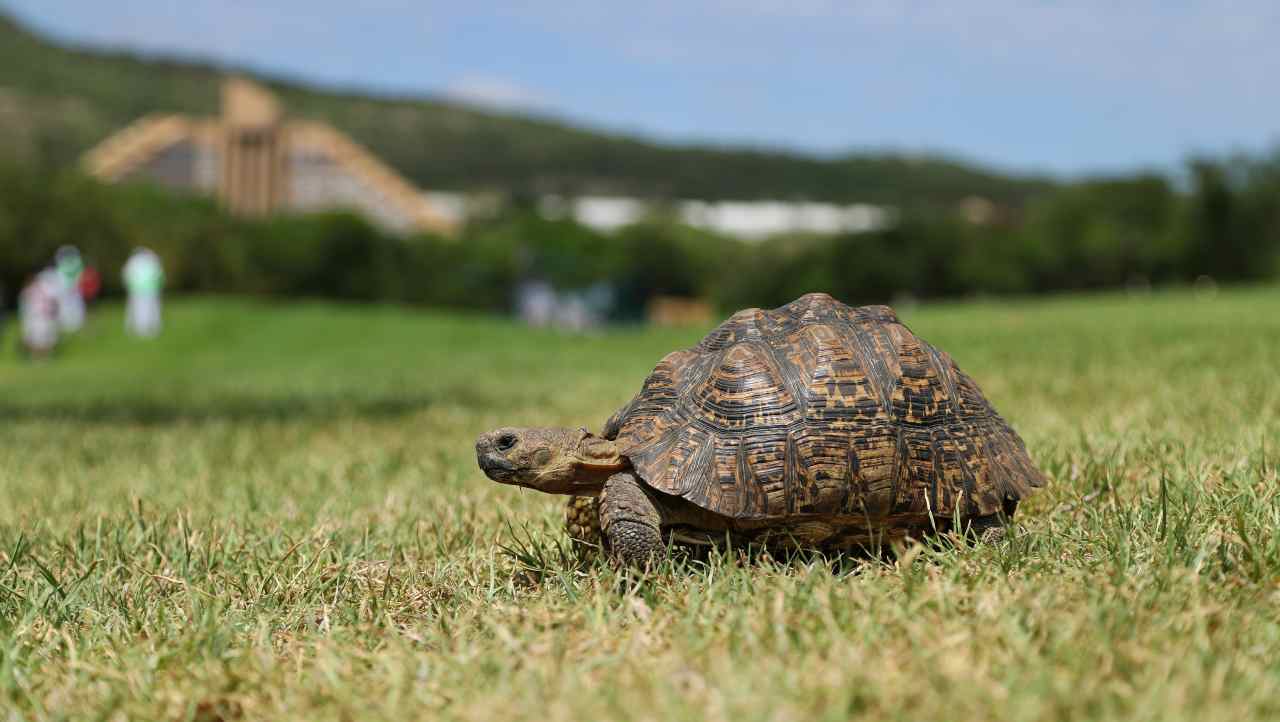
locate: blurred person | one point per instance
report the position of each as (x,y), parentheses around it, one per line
(536,303)
(572,313)
(90,284)
(69,268)
(38,307)
(143,280)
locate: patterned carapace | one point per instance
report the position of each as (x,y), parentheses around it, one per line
(817,409)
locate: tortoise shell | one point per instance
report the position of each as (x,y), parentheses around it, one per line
(817,409)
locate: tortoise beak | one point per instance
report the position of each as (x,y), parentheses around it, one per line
(492,463)
(497,468)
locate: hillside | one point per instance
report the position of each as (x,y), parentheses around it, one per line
(55,102)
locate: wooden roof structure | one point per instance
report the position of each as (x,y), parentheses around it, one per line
(258,161)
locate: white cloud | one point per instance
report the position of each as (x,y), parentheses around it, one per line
(494,92)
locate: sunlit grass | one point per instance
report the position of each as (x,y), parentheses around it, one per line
(273,511)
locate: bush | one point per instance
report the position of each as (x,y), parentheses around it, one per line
(1091,234)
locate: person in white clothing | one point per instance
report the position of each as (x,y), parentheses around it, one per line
(143,280)
(38,306)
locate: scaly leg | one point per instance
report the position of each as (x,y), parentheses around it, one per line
(631,521)
(990,529)
(582,521)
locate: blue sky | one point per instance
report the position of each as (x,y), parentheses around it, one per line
(1066,87)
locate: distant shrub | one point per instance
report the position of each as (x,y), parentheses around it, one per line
(1089,234)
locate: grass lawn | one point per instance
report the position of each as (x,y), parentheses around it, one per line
(274,512)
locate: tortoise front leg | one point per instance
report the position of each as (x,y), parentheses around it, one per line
(630,520)
(582,522)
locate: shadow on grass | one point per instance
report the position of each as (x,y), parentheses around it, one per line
(236,409)
(551,554)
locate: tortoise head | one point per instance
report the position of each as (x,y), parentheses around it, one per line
(557,461)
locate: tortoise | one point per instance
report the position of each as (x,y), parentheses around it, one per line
(817,423)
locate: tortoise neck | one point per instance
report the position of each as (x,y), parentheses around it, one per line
(596,459)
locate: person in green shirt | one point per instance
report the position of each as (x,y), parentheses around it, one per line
(70,267)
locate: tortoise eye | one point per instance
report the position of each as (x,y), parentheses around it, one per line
(506,442)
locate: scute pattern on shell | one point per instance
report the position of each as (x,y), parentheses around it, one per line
(820,409)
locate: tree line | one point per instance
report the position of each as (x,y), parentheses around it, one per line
(1222,220)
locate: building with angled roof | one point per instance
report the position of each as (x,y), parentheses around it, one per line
(258,161)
